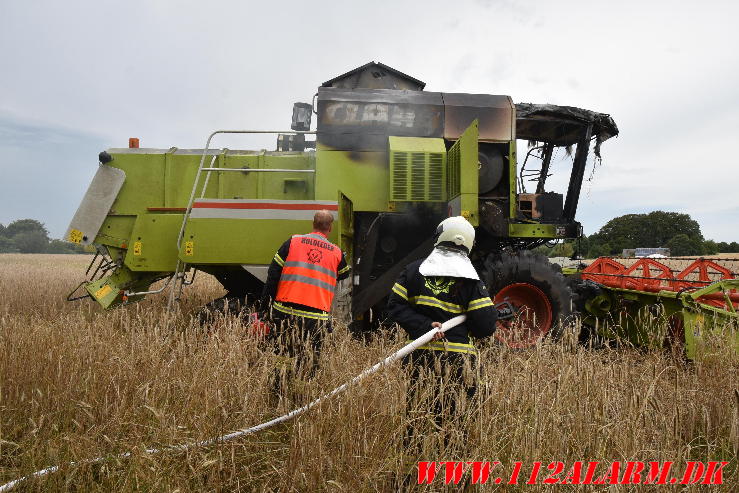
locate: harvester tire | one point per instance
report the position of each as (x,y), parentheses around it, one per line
(537,289)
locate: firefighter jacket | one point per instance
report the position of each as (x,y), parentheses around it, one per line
(303,275)
(416,301)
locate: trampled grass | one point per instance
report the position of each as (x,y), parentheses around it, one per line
(77,382)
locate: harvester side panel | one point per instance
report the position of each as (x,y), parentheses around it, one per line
(285,186)
(145,179)
(238,185)
(363,176)
(246,231)
(152,247)
(180,169)
(462,172)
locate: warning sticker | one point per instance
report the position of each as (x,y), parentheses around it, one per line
(137,248)
(189,248)
(75,236)
(103,292)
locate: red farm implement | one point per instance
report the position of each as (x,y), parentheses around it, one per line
(657,302)
(652,275)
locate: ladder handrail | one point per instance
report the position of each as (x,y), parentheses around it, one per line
(201,169)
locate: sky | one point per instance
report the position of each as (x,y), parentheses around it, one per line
(82,76)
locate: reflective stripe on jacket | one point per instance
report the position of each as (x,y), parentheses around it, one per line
(416,301)
(454,347)
(309,272)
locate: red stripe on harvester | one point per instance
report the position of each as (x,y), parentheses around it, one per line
(254,205)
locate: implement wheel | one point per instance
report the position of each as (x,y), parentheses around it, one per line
(537,290)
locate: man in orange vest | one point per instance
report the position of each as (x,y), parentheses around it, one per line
(300,289)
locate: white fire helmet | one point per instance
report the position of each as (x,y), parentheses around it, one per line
(456,230)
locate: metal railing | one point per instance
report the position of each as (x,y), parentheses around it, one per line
(210,169)
(178,276)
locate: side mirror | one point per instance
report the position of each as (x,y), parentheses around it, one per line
(302,114)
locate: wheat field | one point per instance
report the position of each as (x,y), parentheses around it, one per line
(77,382)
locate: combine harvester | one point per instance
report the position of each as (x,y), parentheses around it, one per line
(390,160)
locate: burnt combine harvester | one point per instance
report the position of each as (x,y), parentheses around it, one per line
(390,160)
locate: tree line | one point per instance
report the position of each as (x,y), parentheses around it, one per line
(31,236)
(674,230)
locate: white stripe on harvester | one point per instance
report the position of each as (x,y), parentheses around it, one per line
(298,210)
(405,350)
(275,214)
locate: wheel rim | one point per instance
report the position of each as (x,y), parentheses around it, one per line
(533,315)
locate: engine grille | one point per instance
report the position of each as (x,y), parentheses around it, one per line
(418,176)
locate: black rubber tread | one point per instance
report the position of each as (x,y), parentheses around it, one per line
(527,267)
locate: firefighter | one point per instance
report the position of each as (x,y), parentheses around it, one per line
(430,291)
(299,291)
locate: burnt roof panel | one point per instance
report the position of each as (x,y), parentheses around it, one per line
(375,75)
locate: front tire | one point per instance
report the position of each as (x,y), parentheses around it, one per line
(538,291)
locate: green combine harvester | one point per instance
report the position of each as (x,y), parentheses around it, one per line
(389,160)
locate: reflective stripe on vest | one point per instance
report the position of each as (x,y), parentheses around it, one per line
(289,310)
(309,273)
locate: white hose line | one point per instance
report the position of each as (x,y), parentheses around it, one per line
(405,350)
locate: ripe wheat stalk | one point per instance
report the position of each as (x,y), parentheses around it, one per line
(77,382)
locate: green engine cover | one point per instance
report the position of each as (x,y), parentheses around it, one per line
(417,169)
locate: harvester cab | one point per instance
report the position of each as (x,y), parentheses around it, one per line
(388,159)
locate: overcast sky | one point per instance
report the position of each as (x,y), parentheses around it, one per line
(82,76)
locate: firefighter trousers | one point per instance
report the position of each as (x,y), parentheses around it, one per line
(439,400)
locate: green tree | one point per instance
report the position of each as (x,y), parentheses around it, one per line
(59,246)
(682,244)
(30,242)
(710,247)
(7,245)
(654,229)
(733,247)
(599,250)
(543,250)
(582,246)
(26,226)
(562,250)
(25,236)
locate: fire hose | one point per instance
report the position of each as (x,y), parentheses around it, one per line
(404,351)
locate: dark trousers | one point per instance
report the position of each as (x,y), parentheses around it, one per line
(440,390)
(297,344)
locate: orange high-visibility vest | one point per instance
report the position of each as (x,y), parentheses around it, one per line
(309,274)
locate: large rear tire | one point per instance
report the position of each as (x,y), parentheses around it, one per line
(538,291)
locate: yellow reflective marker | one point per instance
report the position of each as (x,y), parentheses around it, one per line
(75,236)
(103,292)
(189,247)
(137,248)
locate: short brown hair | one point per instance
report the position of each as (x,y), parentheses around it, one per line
(322,221)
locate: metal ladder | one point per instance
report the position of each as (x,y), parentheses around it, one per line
(179,275)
